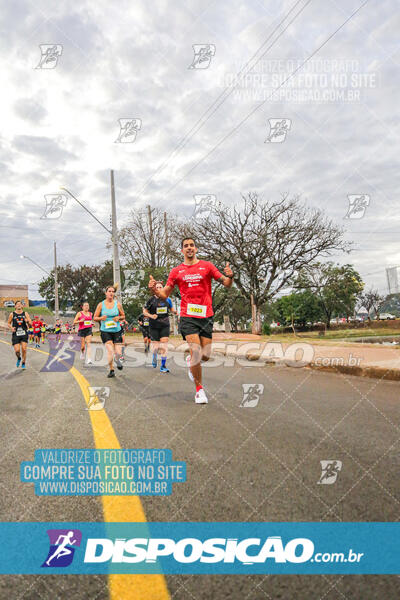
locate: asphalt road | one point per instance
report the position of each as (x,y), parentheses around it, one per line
(255,463)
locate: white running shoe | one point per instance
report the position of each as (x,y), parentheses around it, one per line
(89,362)
(82,355)
(189,371)
(201,397)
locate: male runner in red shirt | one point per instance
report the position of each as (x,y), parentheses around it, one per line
(193,278)
(37,325)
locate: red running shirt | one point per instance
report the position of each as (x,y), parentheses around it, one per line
(36,326)
(194,283)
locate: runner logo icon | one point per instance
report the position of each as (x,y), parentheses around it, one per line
(251,394)
(330,470)
(62,547)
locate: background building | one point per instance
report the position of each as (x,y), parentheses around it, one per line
(12,293)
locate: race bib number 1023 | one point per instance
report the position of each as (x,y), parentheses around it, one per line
(196,310)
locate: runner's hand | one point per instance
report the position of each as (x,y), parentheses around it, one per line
(153,316)
(228,271)
(152,283)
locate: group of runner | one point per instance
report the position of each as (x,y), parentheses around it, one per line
(193,278)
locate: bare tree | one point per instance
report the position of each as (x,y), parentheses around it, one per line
(372,299)
(148,240)
(265,242)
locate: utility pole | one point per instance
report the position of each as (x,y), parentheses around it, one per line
(114,239)
(152,249)
(56,306)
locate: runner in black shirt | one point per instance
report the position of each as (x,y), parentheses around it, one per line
(18,321)
(144,328)
(158,312)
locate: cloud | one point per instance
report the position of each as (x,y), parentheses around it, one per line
(130,60)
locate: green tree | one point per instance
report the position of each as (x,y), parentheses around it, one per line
(299,307)
(336,287)
(78,284)
(231,303)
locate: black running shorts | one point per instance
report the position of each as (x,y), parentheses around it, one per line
(17,339)
(85,332)
(202,326)
(111,336)
(156,333)
(145,331)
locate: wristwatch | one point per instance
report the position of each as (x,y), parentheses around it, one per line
(230,276)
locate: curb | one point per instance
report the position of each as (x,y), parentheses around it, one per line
(372,372)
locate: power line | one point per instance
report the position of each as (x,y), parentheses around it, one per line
(264,101)
(228,89)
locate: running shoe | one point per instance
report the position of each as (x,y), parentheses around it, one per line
(23,366)
(111,373)
(154,361)
(189,371)
(18,362)
(89,362)
(201,397)
(164,370)
(118,362)
(82,355)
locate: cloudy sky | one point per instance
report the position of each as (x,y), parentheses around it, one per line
(131,60)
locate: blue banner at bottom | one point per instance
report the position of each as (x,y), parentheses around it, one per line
(199,548)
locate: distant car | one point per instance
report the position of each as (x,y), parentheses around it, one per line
(9,303)
(386,317)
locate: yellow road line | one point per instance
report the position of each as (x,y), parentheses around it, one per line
(119,509)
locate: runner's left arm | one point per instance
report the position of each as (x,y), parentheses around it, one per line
(28,319)
(121,316)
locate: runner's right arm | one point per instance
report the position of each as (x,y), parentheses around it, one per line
(96,316)
(148,314)
(9,321)
(77,317)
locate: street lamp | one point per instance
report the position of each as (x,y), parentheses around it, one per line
(35,263)
(113,232)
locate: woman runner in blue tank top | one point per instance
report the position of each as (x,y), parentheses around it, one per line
(109,313)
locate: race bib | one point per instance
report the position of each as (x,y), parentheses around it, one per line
(20,331)
(145,324)
(197,310)
(162,310)
(87,323)
(110,324)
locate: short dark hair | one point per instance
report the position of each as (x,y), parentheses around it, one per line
(188,238)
